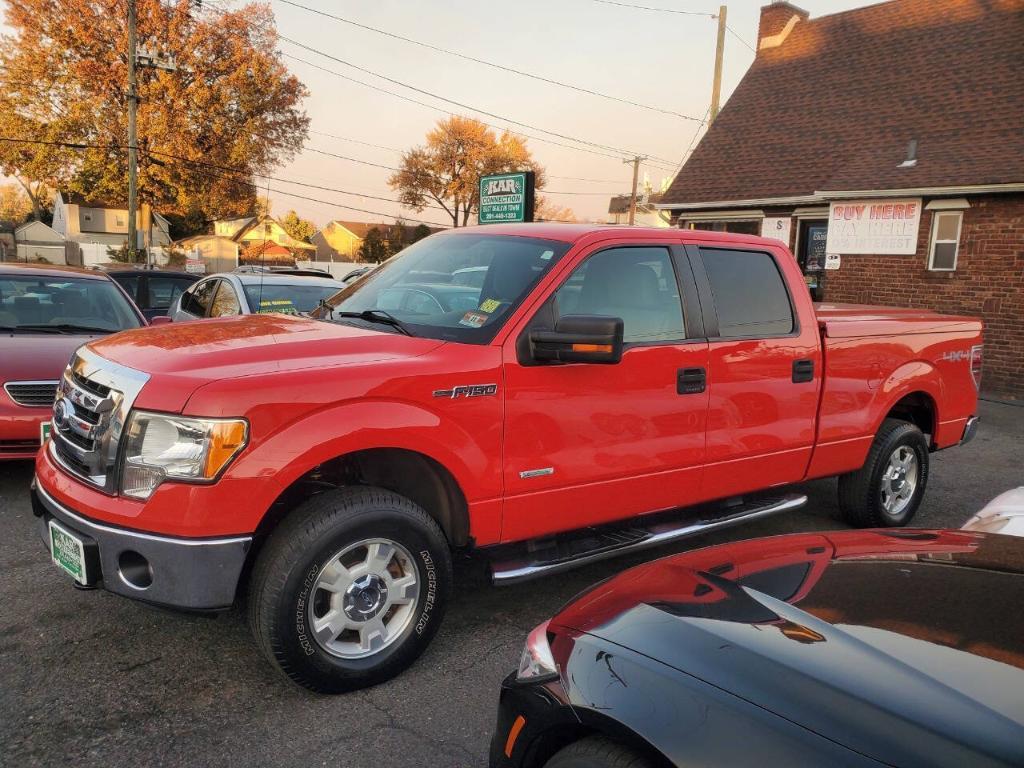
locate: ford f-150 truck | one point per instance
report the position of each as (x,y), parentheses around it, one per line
(603,389)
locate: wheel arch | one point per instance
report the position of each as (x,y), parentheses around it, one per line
(912,393)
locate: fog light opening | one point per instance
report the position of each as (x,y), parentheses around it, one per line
(134,570)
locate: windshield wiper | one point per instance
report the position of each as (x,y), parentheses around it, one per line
(376,316)
(60,328)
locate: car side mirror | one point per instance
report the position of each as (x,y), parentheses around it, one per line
(161,320)
(579,339)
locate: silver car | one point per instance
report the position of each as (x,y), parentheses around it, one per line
(233,293)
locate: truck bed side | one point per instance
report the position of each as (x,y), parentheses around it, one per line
(882,361)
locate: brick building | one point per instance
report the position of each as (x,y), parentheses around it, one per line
(885,145)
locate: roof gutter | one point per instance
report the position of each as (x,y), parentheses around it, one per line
(824,196)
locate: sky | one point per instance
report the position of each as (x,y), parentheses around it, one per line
(664,60)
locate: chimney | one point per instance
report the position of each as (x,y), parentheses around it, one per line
(777,21)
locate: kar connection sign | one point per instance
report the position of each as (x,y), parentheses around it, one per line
(507,197)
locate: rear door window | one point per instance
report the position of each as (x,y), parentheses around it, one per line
(164,290)
(750,296)
(225,302)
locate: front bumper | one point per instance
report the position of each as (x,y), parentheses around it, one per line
(185,573)
(19,428)
(532,719)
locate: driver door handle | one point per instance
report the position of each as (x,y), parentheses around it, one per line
(691,381)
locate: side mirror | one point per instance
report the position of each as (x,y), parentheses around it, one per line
(579,339)
(161,320)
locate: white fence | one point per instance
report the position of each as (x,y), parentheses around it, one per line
(91,254)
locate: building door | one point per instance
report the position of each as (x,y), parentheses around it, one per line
(811,254)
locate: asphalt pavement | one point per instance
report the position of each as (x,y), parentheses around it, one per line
(88,678)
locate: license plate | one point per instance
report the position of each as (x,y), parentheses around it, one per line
(44,432)
(68,552)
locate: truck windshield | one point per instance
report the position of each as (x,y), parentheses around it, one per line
(426,286)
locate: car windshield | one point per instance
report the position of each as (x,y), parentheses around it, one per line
(288,298)
(452,286)
(64,302)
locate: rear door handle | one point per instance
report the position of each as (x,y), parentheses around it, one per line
(803,371)
(691,381)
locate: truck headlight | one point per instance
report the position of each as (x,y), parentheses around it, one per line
(162,446)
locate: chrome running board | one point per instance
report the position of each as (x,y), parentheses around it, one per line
(513,563)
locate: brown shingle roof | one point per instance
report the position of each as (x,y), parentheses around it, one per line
(835,105)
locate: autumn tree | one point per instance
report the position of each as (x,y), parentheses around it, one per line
(228,111)
(298,228)
(421,231)
(374,248)
(14,204)
(446,171)
(545,209)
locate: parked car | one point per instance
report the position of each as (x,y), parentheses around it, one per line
(306,271)
(45,314)
(330,464)
(233,293)
(1004,514)
(154,291)
(857,648)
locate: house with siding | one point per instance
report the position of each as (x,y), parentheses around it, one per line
(36,242)
(884,146)
(341,240)
(105,223)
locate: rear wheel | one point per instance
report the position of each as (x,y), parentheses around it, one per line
(597,752)
(888,489)
(350,589)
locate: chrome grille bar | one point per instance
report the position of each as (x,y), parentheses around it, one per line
(93,401)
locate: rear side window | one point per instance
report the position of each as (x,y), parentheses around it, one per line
(164,290)
(750,295)
(130,283)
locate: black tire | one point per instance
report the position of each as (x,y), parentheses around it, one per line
(597,752)
(860,492)
(282,587)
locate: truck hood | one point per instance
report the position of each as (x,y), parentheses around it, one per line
(181,357)
(878,642)
(37,356)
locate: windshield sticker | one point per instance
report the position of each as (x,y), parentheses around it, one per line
(490,305)
(280,306)
(547,255)
(473,320)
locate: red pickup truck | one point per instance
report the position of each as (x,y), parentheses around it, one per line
(602,389)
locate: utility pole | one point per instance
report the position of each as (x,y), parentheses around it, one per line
(636,174)
(716,86)
(133,158)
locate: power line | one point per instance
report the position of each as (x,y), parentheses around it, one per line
(736,35)
(234,174)
(460,104)
(650,8)
(492,64)
(354,141)
(670,164)
(435,108)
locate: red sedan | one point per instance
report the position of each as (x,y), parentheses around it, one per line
(46,313)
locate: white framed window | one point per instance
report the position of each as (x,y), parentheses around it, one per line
(119,220)
(945,240)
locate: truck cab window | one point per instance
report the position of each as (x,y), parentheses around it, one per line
(636,284)
(750,296)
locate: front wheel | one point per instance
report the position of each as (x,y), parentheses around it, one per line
(349,591)
(888,489)
(597,752)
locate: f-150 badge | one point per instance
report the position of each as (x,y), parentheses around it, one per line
(467,390)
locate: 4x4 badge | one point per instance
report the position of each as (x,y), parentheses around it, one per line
(467,390)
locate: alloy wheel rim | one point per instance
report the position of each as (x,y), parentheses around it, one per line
(899,481)
(363,599)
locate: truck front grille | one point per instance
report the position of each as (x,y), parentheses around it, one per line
(91,409)
(34,394)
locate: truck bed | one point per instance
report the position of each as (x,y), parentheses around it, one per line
(844,321)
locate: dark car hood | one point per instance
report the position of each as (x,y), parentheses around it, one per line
(909,650)
(37,356)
